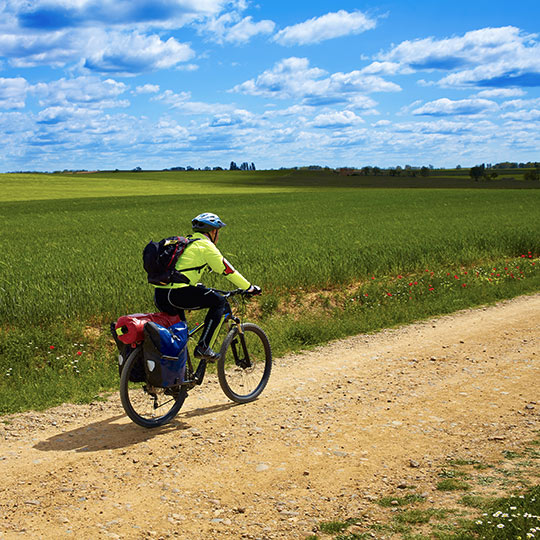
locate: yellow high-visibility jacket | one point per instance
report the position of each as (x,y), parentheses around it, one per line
(201,256)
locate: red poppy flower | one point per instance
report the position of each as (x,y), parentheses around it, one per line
(51,347)
(79,353)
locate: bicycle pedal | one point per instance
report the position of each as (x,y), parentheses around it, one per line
(199,373)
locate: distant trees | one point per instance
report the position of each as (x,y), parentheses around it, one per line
(244,167)
(514,165)
(533,174)
(481,172)
(477,172)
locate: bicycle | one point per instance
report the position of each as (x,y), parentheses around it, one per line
(243,370)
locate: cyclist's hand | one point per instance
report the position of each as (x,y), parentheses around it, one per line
(254,290)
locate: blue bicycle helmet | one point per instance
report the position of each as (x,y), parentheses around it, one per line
(206,222)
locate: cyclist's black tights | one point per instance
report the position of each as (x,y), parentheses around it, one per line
(175,301)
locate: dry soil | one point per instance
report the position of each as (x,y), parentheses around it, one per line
(336,428)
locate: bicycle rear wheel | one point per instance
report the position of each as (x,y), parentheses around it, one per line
(245,363)
(147,405)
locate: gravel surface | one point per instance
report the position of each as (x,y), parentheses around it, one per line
(336,428)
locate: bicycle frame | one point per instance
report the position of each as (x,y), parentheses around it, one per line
(242,376)
(244,362)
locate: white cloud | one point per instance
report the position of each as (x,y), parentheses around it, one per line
(472,48)
(167,130)
(362,103)
(337,119)
(95,49)
(448,107)
(231,28)
(90,92)
(329,26)
(13,93)
(147,89)
(57,14)
(182,102)
(25,49)
(500,93)
(521,103)
(134,53)
(244,30)
(523,115)
(61,114)
(386,68)
(110,36)
(293,78)
(492,57)
(238,117)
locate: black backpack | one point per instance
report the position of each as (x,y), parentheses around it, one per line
(159,260)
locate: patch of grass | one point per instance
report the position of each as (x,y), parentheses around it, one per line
(509,454)
(354,536)
(512,518)
(485,480)
(86,270)
(462,462)
(477,517)
(474,501)
(332,527)
(452,473)
(417,516)
(452,484)
(482,466)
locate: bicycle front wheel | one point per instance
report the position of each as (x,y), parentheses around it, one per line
(245,363)
(147,405)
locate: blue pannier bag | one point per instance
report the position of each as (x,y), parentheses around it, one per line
(165,354)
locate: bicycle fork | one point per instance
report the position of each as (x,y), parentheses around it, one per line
(241,361)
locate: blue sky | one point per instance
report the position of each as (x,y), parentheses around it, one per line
(105,84)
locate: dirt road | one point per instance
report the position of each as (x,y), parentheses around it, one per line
(335,428)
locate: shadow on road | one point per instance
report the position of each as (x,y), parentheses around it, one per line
(202,411)
(108,434)
(105,435)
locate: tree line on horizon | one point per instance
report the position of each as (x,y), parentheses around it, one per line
(478,172)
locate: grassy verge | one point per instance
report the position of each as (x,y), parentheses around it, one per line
(509,510)
(45,365)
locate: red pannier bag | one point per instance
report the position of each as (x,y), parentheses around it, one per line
(130,328)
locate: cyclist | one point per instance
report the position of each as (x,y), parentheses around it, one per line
(199,257)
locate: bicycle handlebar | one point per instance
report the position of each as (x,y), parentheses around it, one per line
(228,294)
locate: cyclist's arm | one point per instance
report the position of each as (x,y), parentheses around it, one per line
(220,265)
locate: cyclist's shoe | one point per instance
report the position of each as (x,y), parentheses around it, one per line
(206,352)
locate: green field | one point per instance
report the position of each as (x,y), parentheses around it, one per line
(72,248)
